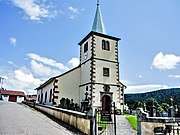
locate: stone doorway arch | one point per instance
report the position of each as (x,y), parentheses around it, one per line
(106,103)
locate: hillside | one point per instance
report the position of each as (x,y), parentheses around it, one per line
(162,96)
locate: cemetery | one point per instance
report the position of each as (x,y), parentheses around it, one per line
(152,124)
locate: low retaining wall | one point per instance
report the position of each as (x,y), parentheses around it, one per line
(156,125)
(73,118)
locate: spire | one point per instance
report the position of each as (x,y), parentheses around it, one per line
(98,25)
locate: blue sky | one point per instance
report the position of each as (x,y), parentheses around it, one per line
(39,39)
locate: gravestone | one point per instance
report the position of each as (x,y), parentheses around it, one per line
(67,103)
(171,112)
(153,111)
(71,105)
(62,102)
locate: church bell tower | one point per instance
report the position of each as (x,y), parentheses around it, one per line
(99,66)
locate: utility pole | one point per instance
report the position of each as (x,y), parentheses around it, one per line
(1,81)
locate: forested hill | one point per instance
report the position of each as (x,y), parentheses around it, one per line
(161,96)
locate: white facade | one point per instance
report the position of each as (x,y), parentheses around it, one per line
(44,94)
(93,62)
(6,98)
(68,85)
(20,99)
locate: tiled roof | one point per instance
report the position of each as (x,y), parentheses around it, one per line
(12,92)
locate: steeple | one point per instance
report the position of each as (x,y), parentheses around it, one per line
(98,25)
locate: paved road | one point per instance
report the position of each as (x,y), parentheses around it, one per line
(16,119)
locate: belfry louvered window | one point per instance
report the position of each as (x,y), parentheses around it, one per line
(105,45)
(86,47)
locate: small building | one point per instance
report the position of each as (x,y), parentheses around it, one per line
(12,96)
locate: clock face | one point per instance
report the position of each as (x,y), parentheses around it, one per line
(85,55)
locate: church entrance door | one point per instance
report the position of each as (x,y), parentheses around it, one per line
(106,103)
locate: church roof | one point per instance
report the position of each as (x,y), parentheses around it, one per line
(98,34)
(98,25)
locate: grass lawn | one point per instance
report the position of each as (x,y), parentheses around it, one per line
(132,119)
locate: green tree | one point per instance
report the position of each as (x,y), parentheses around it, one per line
(136,105)
(165,106)
(150,102)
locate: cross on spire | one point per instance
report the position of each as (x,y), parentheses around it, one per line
(98,25)
(97,2)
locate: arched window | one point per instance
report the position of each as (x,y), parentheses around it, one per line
(50,95)
(41,97)
(86,47)
(45,97)
(105,45)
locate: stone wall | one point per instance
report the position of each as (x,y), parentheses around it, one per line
(156,125)
(73,118)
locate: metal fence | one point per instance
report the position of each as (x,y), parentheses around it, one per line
(105,121)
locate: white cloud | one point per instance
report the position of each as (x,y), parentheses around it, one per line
(73,10)
(72,17)
(26,77)
(140,76)
(125,82)
(19,79)
(35,10)
(145,88)
(165,62)
(43,70)
(38,70)
(47,61)
(10,62)
(12,41)
(174,76)
(74,62)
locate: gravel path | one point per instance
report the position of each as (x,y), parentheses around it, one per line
(122,127)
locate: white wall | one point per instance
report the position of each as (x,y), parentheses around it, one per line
(5,98)
(20,99)
(89,40)
(112,79)
(45,89)
(85,72)
(83,91)
(68,86)
(100,53)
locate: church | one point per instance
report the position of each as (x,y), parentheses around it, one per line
(95,79)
